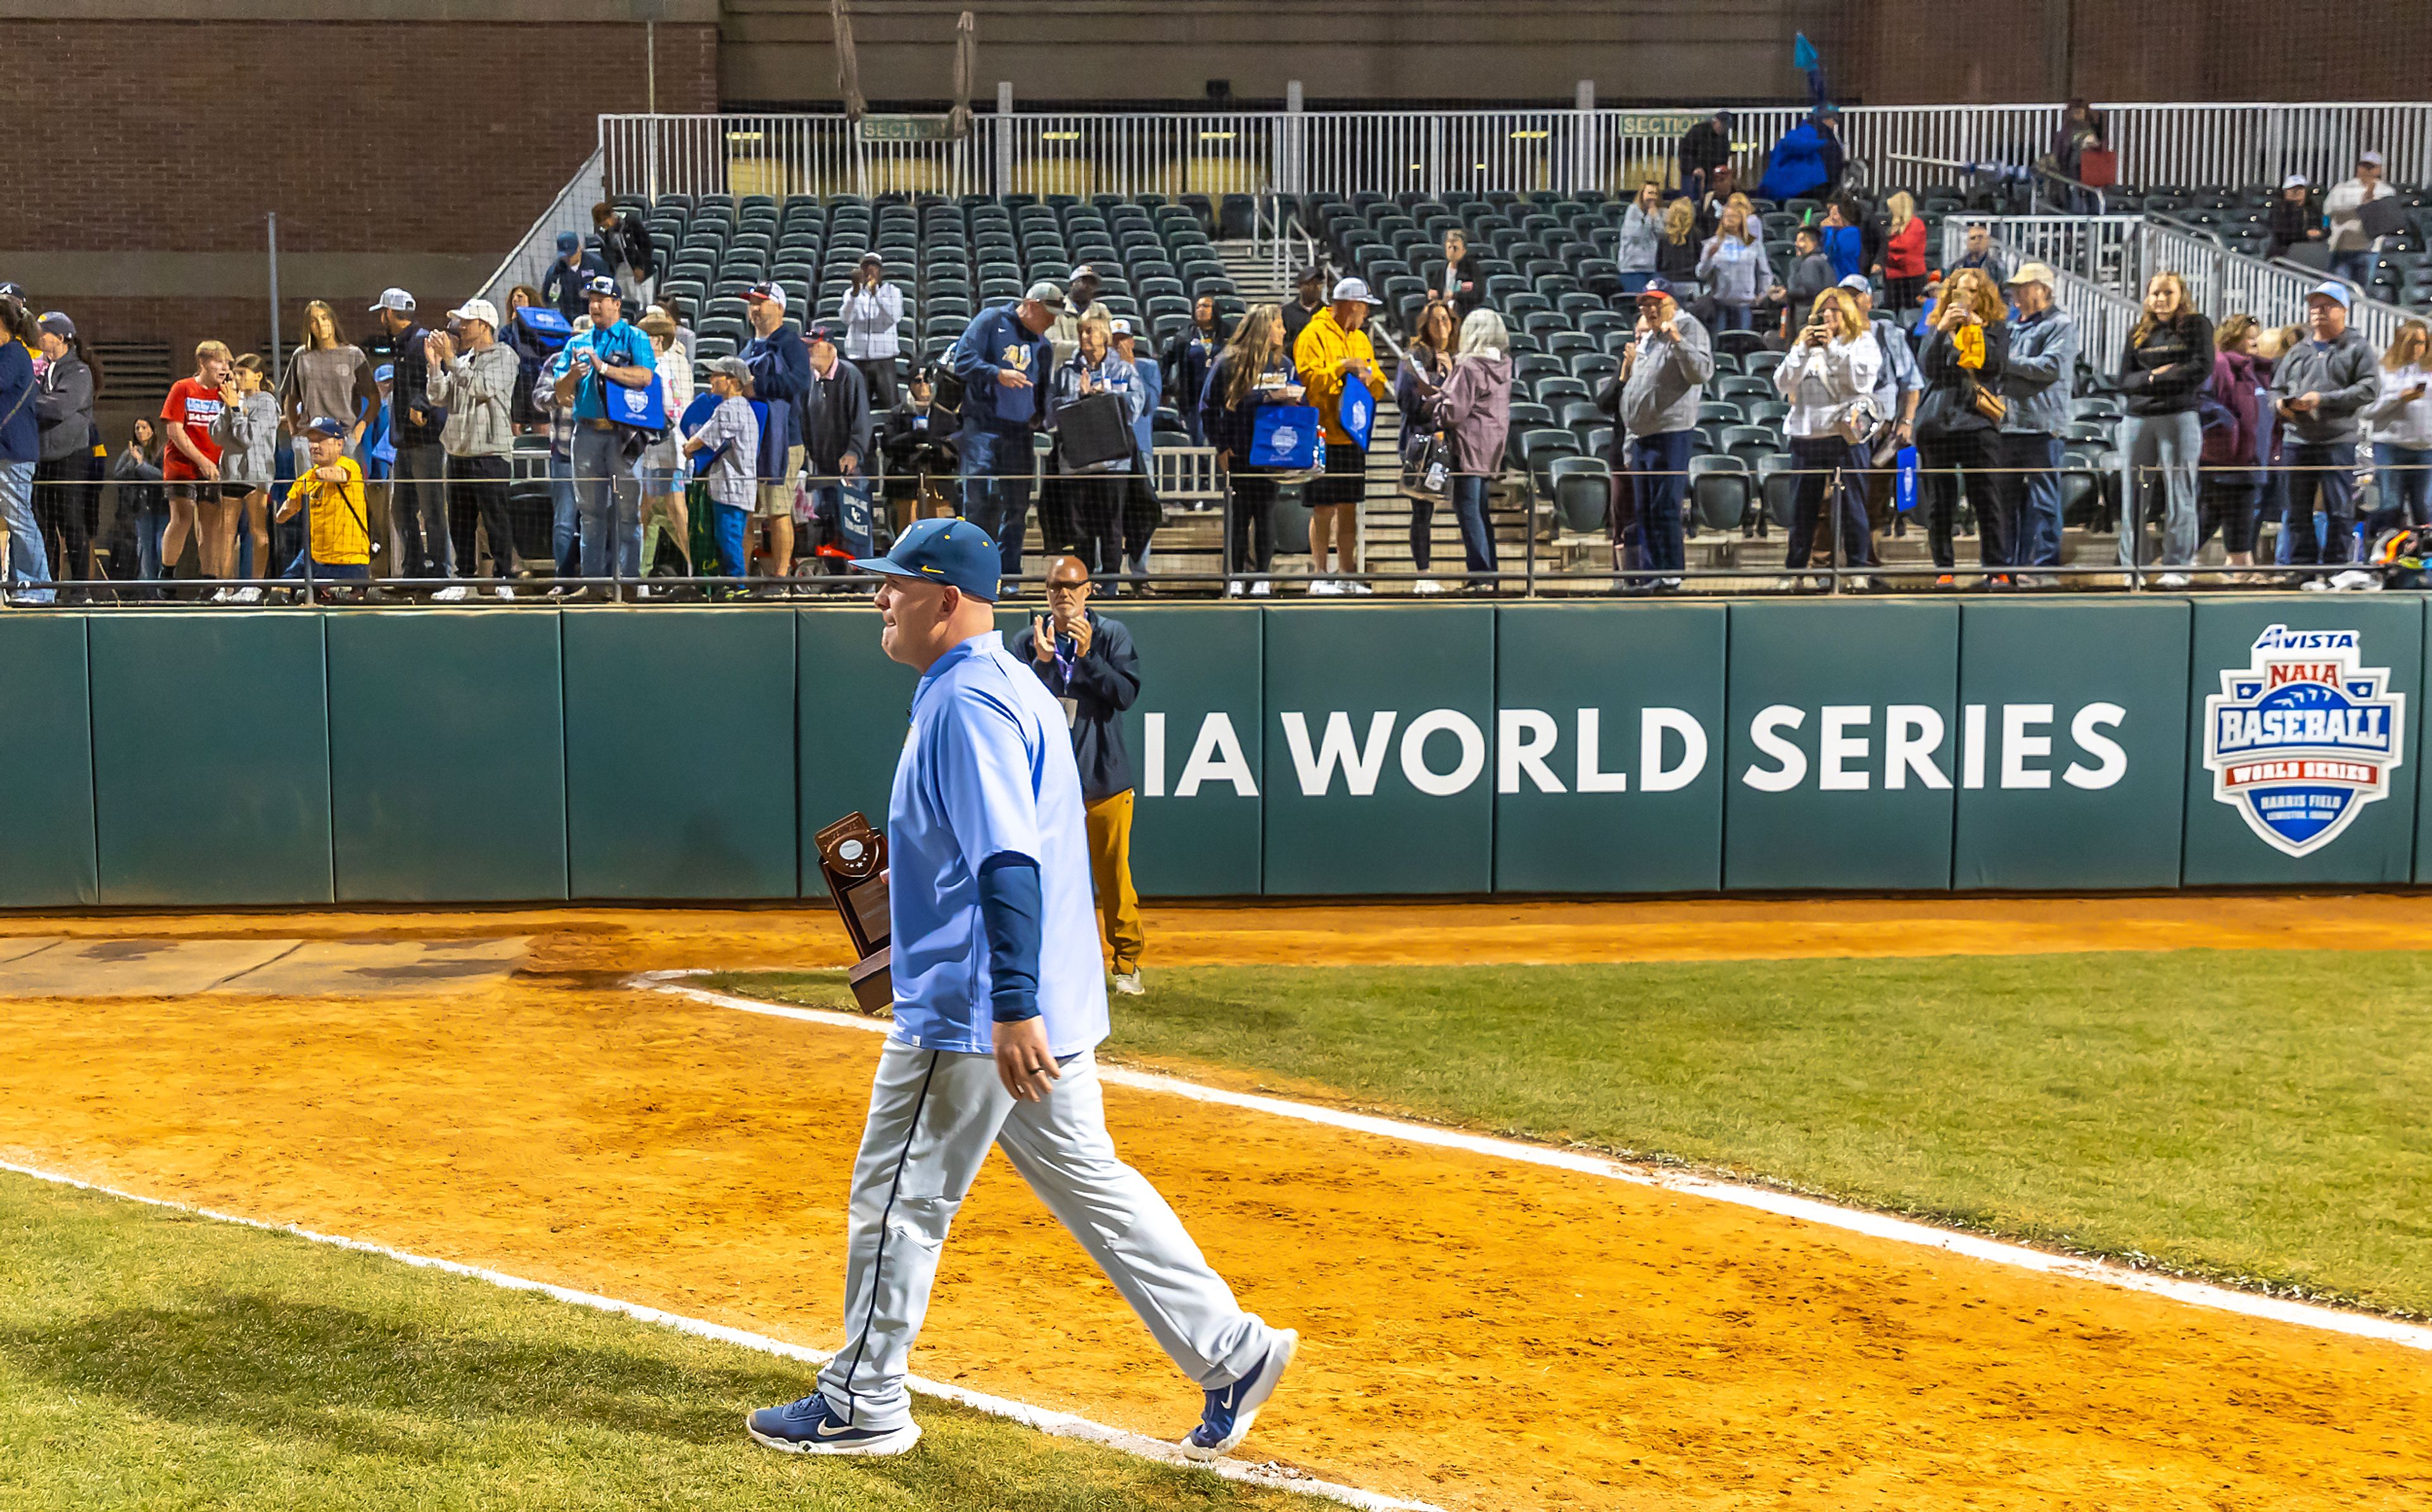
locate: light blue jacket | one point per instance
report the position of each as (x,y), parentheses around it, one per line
(2041,372)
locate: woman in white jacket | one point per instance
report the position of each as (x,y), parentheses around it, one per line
(872,307)
(1829,381)
(2401,419)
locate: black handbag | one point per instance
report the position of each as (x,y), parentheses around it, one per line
(1093,432)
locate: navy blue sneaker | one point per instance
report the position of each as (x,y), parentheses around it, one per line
(811,1426)
(1232,1410)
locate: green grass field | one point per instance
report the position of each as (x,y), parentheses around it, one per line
(2255,1116)
(148,1359)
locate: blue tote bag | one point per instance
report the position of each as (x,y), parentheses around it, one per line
(1358,412)
(1284,435)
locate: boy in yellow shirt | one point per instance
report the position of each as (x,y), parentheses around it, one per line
(340,547)
(1333,351)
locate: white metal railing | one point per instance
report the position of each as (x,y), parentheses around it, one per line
(1186,473)
(2090,247)
(2104,317)
(1449,151)
(570,212)
(2221,282)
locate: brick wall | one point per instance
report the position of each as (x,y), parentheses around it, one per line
(416,138)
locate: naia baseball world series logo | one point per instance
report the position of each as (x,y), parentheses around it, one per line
(2301,739)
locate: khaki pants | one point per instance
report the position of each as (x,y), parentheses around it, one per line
(1110,868)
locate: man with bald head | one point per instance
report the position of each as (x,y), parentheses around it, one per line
(1086,661)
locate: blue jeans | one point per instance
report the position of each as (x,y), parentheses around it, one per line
(1734,317)
(564,540)
(2356,267)
(608,504)
(1659,466)
(730,525)
(27,561)
(151,529)
(2158,454)
(2035,536)
(2405,475)
(2328,470)
(1469,510)
(996,488)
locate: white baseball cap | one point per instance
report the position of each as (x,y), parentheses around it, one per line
(1857,281)
(2373,157)
(1354,291)
(481,309)
(397,300)
(1120,326)
(2295,181)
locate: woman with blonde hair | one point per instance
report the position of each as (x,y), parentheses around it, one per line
(1904,255)
(247,429)
(2401,419)
(1735,269)
(326,375)
(1958,426)
(1829,381)
(1676,254)
(1254,370)
(2163,373)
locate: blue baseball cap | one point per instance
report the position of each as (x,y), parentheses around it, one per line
(2333,290)
(955,552)
(568,242)
(1656,285)
(326,426)
(600,283)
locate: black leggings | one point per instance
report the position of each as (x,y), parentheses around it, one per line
(2225,501)
(880,371)
(1254,523)
(67,505)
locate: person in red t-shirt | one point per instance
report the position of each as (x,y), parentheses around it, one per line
(189,464)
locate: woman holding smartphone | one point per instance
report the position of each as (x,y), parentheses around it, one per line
(1415,386)
(1254,370)
(872,308)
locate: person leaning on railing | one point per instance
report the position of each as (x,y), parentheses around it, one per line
(2162,374)
(1966,354)
(2400,418)
(1254,370)
(2318,389)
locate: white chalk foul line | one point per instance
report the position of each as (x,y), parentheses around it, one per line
(1062,1424)
(1808,1209)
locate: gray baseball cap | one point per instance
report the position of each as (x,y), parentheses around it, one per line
(730,368)
(1046,293)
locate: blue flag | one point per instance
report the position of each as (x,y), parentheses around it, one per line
(1802,54)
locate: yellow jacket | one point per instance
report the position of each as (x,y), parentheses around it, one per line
(339,535)
(1318,355)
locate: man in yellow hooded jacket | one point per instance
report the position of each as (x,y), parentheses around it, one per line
(1333,351)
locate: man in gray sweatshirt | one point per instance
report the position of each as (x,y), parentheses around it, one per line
(2315,391)
(476,385)
(1654,400)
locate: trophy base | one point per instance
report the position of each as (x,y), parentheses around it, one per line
(872,982)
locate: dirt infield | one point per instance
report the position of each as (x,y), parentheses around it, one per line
(1482,1335)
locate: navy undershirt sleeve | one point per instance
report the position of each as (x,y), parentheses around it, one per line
(1010,910)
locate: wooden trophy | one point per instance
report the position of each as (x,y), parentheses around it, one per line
(852,859)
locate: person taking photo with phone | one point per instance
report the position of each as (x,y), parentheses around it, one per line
(1087,662)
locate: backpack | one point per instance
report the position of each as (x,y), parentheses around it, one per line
(534,334)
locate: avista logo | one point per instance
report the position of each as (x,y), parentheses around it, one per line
(2303,737)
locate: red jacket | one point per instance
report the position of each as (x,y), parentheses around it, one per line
(1904,250)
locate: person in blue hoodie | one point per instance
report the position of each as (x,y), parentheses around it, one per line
(1004,358)
(21,450)
(779,362)
(1807,162)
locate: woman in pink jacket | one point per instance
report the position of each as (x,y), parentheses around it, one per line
(1473,409)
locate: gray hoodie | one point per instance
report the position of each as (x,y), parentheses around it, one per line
(477,391)
(248,438)
(1667,380)
(1640,231)
(2344,372)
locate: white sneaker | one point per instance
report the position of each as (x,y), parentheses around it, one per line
(1128,985)
(246,596)
(2354,579)
(1261,590)
(2316,585)
(1855,582)
(505,591)
(642,592)
(1233,590)
(2171,579)
(1358,588)
(456,594)
(1324,585)
(219,595)
(1426,585)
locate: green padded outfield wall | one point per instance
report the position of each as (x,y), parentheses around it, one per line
(2072,742)
(679,775)
(1608,757)
(186,758)
(46,750)
(1379,731)
(447,756)
(211,758)
(1839,767)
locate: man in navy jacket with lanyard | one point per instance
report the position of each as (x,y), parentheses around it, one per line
(1002,357)
(999,1007)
